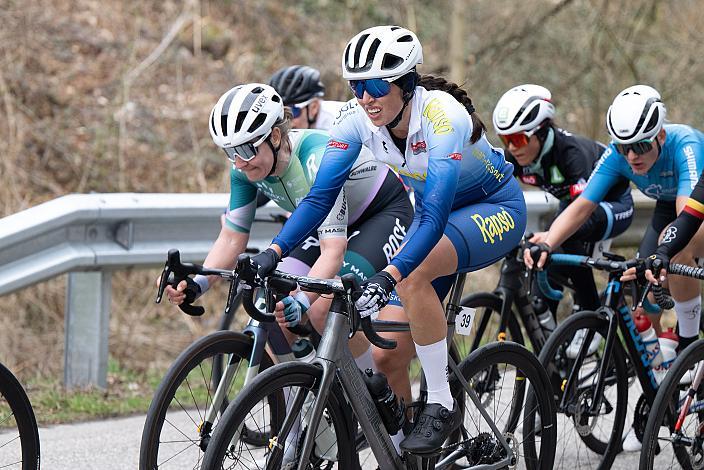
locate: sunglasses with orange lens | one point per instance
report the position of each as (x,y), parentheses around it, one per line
(518,140)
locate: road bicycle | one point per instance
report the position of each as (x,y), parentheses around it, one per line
(503,312)
(337,400)
(591,385)
(674,432)
(19,435)
(189,401)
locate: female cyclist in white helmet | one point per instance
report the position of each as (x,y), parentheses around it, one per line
(469,210)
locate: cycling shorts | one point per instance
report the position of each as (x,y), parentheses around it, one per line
(371,240)
(482,232)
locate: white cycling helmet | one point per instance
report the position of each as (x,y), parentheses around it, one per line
(245,114)
(381,52)
(636,114)
(523,109)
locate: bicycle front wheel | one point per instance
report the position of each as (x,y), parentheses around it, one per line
(272,394)
(663,446)
(19,437)
(176,431)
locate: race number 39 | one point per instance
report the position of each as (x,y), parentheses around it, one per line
(463,322)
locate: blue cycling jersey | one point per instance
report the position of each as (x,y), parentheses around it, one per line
(674,173)
(443,167)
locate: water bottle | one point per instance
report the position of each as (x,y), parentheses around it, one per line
(650,340)
(668,348)
(303,350)
(547,321)
(325,440)
(391,412)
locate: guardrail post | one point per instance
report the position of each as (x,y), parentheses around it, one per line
(88,296)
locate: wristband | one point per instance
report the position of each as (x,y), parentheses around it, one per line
(303,299)
(203,282)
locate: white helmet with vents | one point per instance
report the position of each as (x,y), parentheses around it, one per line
(523,109)
(636,114)
(381,52)
(245,114)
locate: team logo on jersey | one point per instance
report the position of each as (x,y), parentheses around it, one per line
(670,234)
(383,144)
(490,168)
(577,189)
(556,175)
(437,117)
(455,156)
(494,225)
(529,179)
(346,110)
(338,145)
(419,147)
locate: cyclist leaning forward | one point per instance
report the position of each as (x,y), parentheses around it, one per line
(664,162)
(560,163)
(249,123)
(469,211)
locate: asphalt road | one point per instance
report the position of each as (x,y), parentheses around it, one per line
(114,445)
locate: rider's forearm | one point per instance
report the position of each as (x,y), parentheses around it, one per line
(328,264)
(223,255)
(569,221)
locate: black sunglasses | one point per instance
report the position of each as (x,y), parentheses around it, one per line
(639,148)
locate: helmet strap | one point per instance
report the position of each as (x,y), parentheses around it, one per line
(308,118)
(409,89)
(275,152)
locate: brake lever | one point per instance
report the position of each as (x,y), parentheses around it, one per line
(173,258)
(231,294)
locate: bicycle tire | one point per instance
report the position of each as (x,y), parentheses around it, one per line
(490,304)
(272,383)
(663,409)
(603,451)
(194,358)
(23,415)
(532,372)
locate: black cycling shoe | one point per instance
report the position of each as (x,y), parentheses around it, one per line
(432,428)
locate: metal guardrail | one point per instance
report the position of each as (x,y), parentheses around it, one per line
(90,235)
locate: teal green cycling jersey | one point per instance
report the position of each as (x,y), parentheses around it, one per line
(365,180)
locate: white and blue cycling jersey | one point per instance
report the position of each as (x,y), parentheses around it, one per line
(675,172)
(446,171)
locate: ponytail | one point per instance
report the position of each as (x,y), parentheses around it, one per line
(430,82)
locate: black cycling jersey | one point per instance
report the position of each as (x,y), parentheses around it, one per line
(565,169)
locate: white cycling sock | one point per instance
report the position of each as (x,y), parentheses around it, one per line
(396,440)
(433,359)
(365,360)
(688,314)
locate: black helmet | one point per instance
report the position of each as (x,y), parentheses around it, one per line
(297,84)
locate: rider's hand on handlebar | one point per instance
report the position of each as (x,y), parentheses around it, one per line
(291,309)
(185,292)
(656,267)
(647,270)
(376,294)
(538,240)
(265,262)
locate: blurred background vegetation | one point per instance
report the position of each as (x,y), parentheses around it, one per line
(113,96)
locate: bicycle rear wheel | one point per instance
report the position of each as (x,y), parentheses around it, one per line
(271,394)
(19,436)
(175,434)
(505,376)
(586,439)
(662,447)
